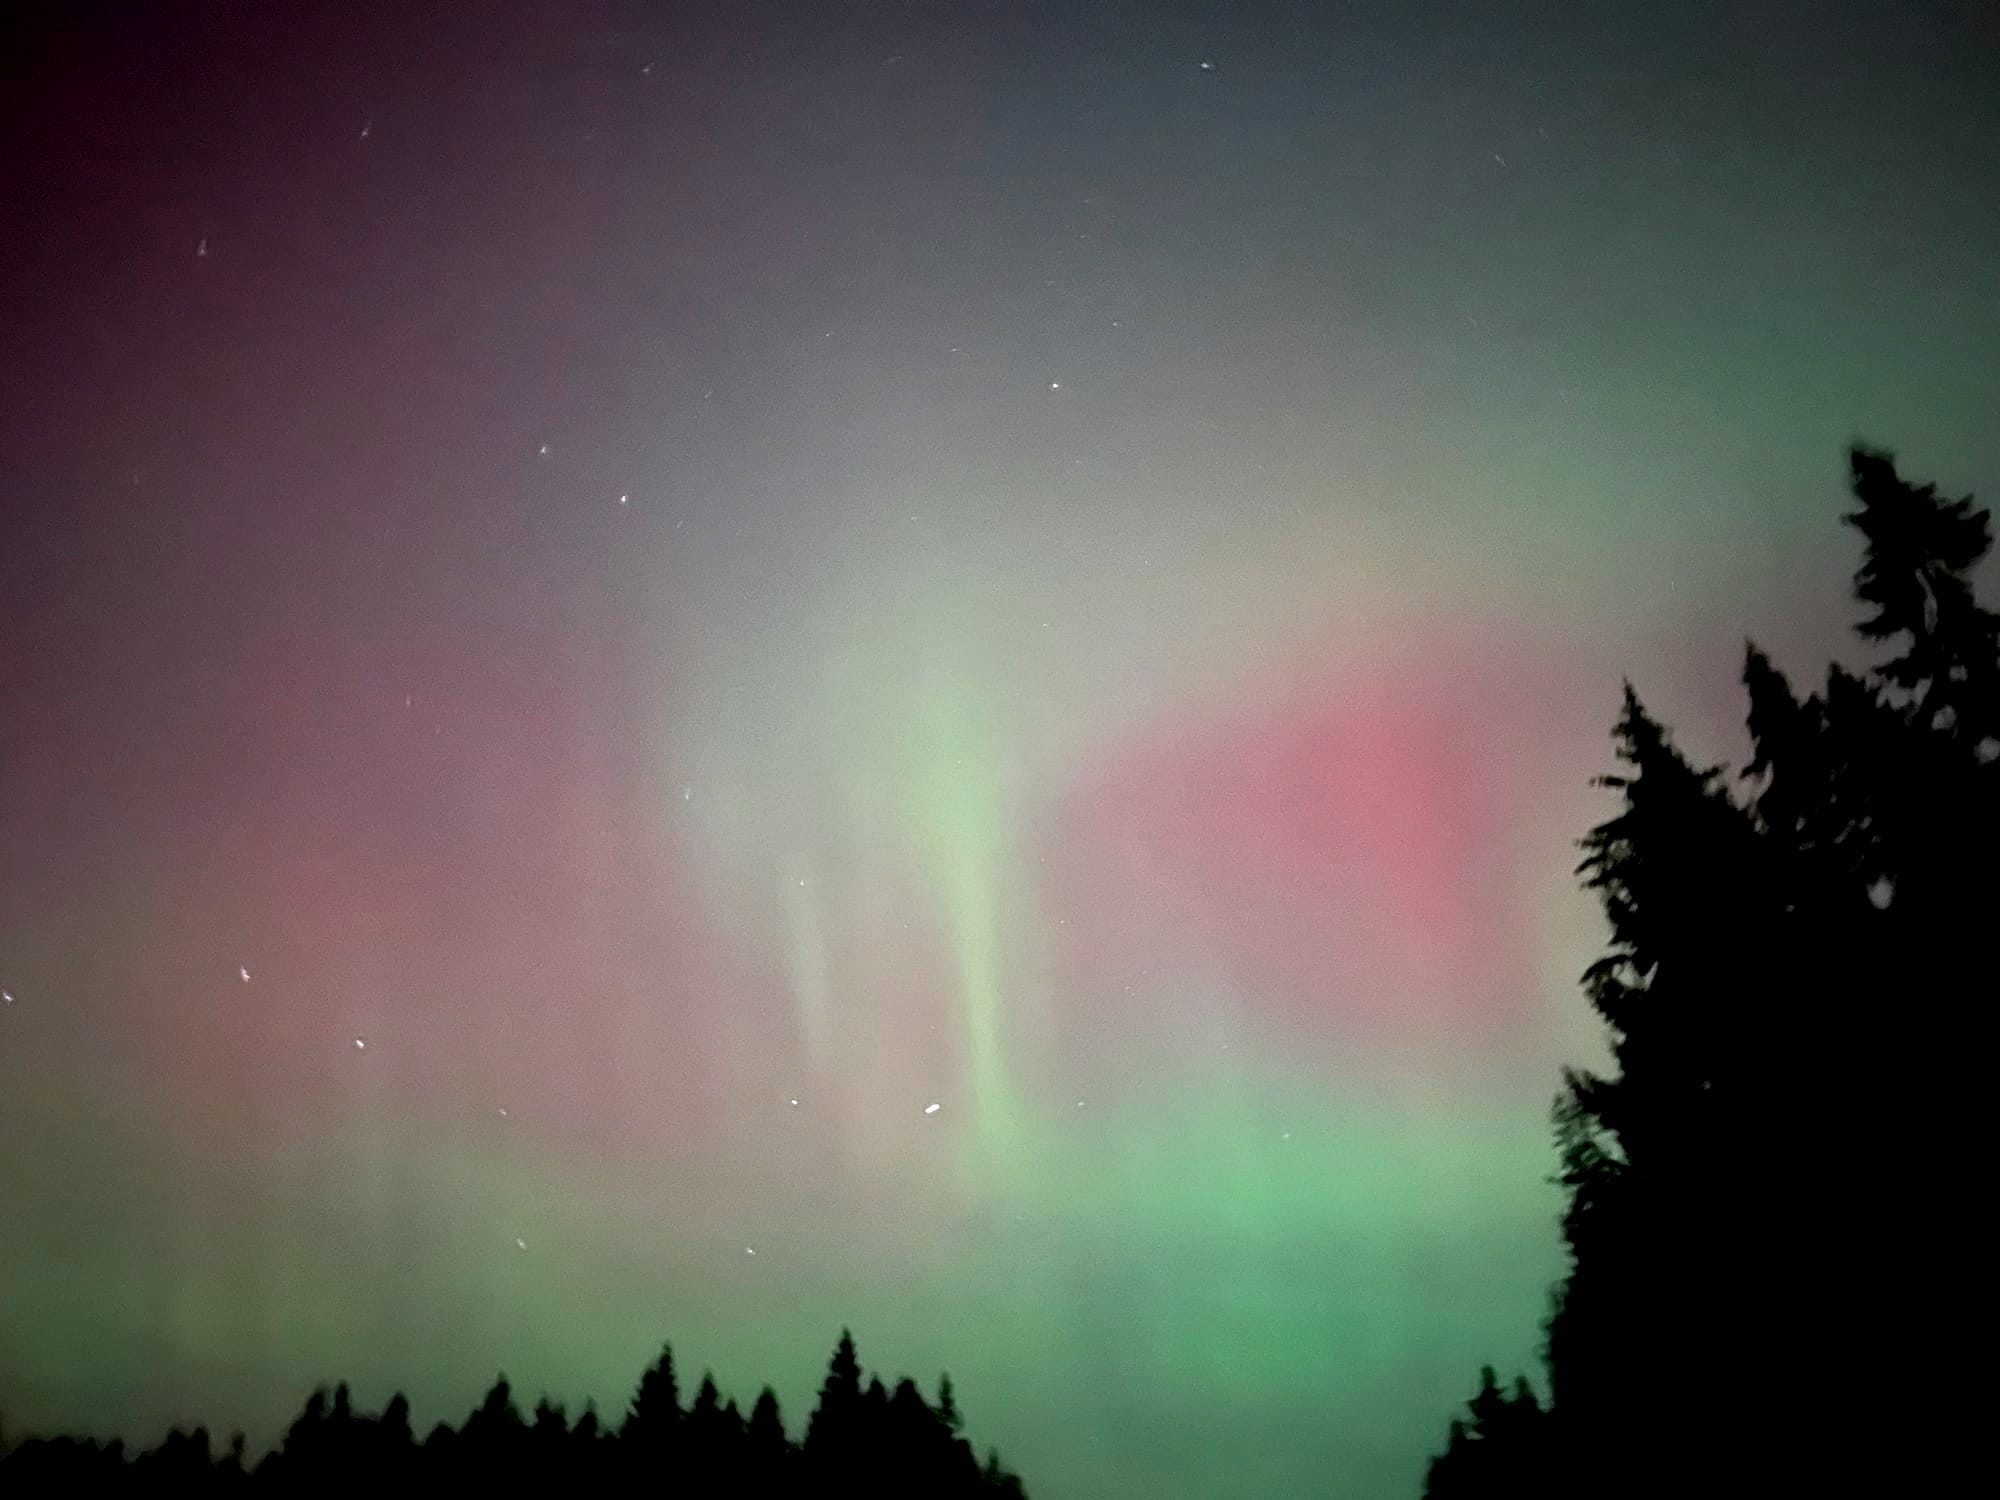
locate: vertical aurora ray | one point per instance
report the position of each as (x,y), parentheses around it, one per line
(806,960)
(1154,549)
(961,825)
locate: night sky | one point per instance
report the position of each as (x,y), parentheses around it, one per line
(708,671)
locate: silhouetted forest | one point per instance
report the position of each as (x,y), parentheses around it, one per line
(862,1439)
(1772,1192)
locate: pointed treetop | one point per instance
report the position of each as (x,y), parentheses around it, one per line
(707,1399)
(656,1405)
(766,1423)
(843,1372)
(397,1413)
(1916,573)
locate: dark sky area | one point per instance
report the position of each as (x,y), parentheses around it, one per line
(708,671)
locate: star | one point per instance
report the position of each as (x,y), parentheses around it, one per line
(8,996)
(748,1251)
(243,973)
(1055,385)
(1207,67)
(793,1102)
(359,1045)
(624,499)
(543,450)
(931,1109)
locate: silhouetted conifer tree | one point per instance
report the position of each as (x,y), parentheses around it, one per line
(589,1468)
(656,1406)
(549,1453)
(997,1480)
(768,1459)
(649,1440)
(714,1435)
(833,1431)
(1501,1450)
(1793,999)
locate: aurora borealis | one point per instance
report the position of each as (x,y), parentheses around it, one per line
(606,602)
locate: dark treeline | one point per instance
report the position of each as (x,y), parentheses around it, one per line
(1772,1192)
(861,1439)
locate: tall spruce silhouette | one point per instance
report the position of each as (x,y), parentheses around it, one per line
(834,1437)
(1795,997)
(653,1420)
